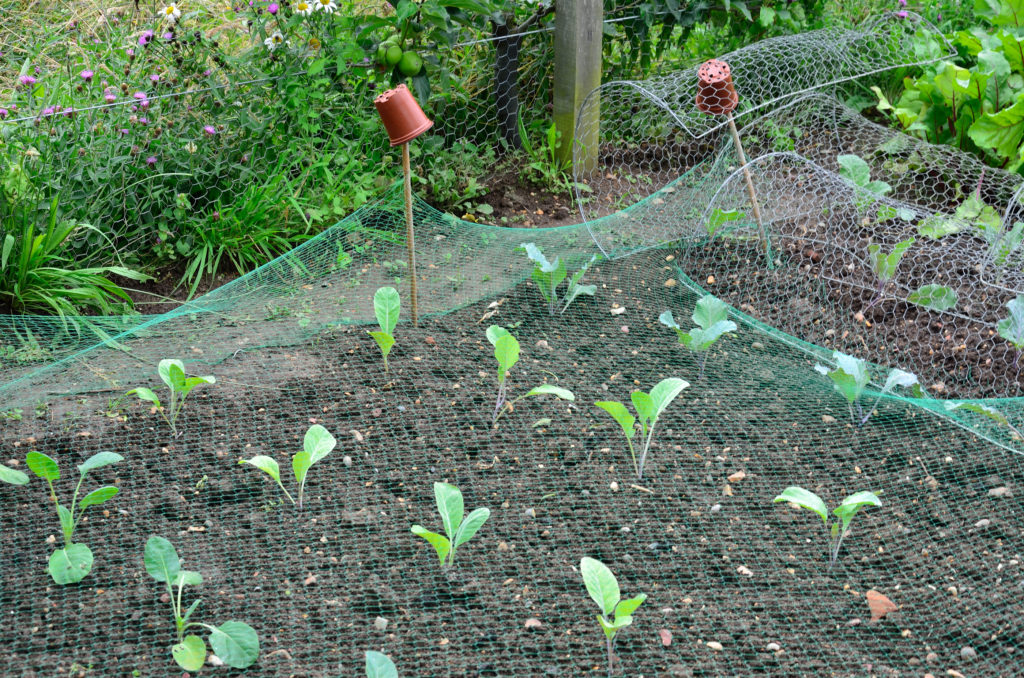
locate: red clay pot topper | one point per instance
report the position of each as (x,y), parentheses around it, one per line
(402,116)
(715,92)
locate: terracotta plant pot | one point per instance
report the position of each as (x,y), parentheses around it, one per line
(715,92)
(402,116)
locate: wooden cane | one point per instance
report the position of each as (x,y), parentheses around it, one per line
(750,182)
(409,234)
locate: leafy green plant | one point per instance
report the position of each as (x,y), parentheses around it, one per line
(12,476)
(844,512)
(712,318)
(649,407)
(316,444)
(458,529)
(616,613)
(545,164)
(985,411)
(379,665)
(548,275)
(850,377)
(386,306)
(884,265)
(856,170)
(235,642)
(934,297)
(172,373)
(720,218)
(506,352)
(1011,328)
(72,563)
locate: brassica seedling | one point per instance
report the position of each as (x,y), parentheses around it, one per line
(172,373)
(986,411)
(459,530)
(884,265)
(616,614)
(235,642)
(934,297)
(719,218)
(712,318)
(316,444)
(506,352)
(856,170)
(850,377)
(12,476)
(1011,328)
(386,306)
(379,665)
(844,512)
(548,275)
(649,407)
(72,563)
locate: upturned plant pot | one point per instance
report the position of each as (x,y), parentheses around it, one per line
(402,116)
(716,94)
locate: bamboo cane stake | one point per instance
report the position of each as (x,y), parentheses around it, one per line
(410,238)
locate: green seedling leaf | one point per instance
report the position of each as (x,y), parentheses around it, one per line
(97,496)
(854,169)
(99,460)
(506,351)
(849,377)
(610,628)
(1010,328)
(709,311)
(978,408)
(471,525)
(450,506)
(187,578)
(898,377)
(161,559)
(884,265)
(601,585)
(317,444)
(172,373)
(668,320)
(575,289)
(384,341)
(70,565)
(495,332)
(379,665)
(1008,244)
(43,466)
(550,389)
(663,393)
(934,297)
(805,499)
(386,306)
(439,542)
(67,521)
(266,464)
(643,405)
(620,414)
(720,217)
(537,257)
(190,383)
(938,226)
(12,476)
(854,503)
(236,643)
(190,653)
(625,608)
(145,394)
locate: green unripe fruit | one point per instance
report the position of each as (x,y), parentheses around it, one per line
(382,53)
(393,55)
(410,64)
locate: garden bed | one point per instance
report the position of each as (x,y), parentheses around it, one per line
(720,563)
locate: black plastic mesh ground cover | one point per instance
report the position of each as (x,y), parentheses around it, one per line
(700,535)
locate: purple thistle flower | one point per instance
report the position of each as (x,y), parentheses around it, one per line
(272,8)
(168,36)
(129,52)
(145,38)
(207,73)
(903,3)
(902,15)
(110,97)
(210,129)
(155,78)
(48,111)
(27,80)
(87,75)
(140,96)
(4,113)
(151,160)
(143,121)
(122,132)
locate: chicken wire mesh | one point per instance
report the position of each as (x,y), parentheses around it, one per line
(736,584)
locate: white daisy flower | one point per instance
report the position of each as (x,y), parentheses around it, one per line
(171,13)
(274,41)
(326,5)
(304,8)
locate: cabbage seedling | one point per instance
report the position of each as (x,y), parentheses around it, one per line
(379,665)
(844,512)
(850,377)
(172,373)
(386,305)
(985,411)
(234,642)
(712,318)
(457,529)
(12,476)
(616,614)
(316,444)
(548,275)
(73,562)
(884,265)
(1011,328)
(649,407)
(506,352)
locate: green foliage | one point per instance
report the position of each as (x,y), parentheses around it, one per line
(172,373)
(844,512)
(506,352)
(1011,328)
(316,444)
(712,318)
(720,218)
(850,377)
(985,411)
(458,529)
(386,306)
(884,265)
(856,170)
(648,406)
(72,563)
(934,297)
(603,588)
(548,275)
(235,642)
(12,476)
(379,665)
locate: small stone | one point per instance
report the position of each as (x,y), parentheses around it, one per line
(51,539)
(716,508)
(745,571)
(214,660)
(952,590)
(614,486)
(914,661)
(671,282)
(931,658)
(828,419)
(380,623)
(1000,492)
(357,435)
(347,460)
(830,333)
(772,647)
(503,547)
(309,581)
(531,513)
(666,637)
(714,645)
(165,598)
(859,317)
(533,623)
(968,652)
(711,280)
(984,522)
(854,622)
(736,477)
(543,343)
(625,328)
(757,345)
(619,310)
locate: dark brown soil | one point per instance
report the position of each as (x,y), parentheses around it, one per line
(719,561)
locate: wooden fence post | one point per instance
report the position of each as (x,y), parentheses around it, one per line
(578,25)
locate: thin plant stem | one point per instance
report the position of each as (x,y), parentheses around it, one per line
(643,454)
(608,642)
